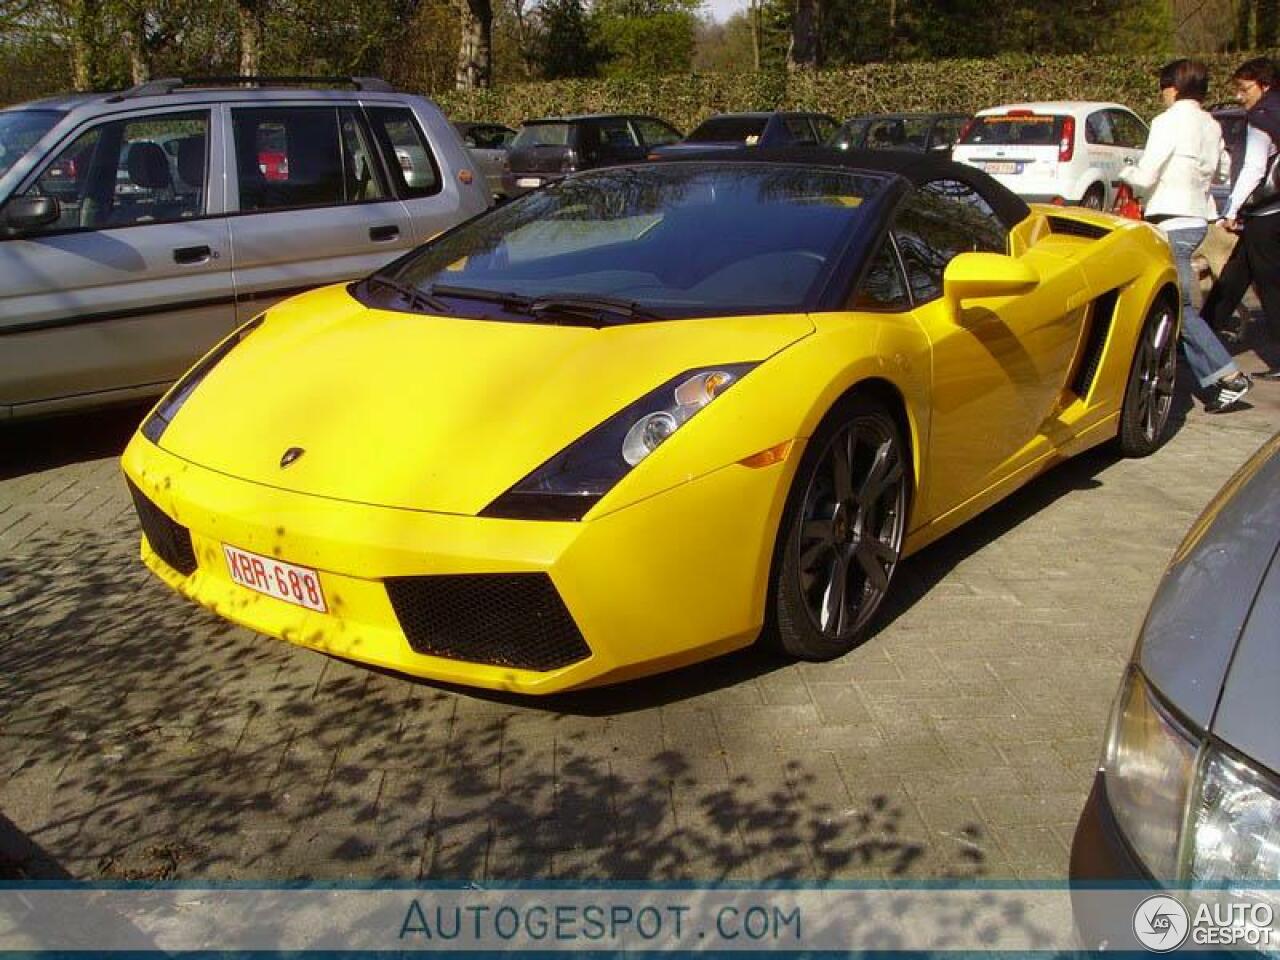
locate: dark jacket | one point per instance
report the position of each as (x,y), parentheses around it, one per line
(1265,115)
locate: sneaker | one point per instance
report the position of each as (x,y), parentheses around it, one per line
(1229,394)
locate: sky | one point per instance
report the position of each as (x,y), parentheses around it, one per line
(722,10)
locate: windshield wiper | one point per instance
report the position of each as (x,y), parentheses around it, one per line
(411,294)
(510,301)
(593,309)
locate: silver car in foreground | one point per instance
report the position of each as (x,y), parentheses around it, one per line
(1188,790)
(139,228)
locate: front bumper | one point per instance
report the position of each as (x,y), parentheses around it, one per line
(670,580)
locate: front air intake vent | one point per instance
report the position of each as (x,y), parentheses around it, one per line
(1101,312)
(1077,228)
(170,540)
(504,620)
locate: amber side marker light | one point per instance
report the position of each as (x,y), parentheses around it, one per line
(465,176)
(767,458)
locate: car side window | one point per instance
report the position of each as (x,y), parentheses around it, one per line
(414,171)
(798,130)
(655,133)
(616,132)
(288,157)
(825,127)
(1097,129)
(147,169)
(945,133)
(487,138)
(937,223)
(883,286)
(1129,131)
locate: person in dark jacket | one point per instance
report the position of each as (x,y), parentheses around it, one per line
(1254,208)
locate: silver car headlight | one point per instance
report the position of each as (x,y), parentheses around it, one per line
(1234,828)
(1149,762)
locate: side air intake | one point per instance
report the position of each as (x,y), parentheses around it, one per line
(1076,228)
(1101,313)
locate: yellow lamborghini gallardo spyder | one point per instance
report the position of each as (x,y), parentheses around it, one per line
(649,414)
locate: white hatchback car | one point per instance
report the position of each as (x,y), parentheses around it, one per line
(1064,152)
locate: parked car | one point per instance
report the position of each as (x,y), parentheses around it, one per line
(730,131)
(786,374)
(917,132)
(489,144)
(1187,793)
(545,150)
(1065,152)
(138,228)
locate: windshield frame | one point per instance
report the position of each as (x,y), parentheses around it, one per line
(830,291)
(55,117)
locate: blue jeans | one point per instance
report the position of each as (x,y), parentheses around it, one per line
(1209,359)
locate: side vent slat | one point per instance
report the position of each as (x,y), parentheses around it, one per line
(1101,313)
(1076,228)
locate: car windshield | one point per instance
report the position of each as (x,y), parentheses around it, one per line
(641,243)
(542,135)
(728,130)
(19,131)
(1015,130)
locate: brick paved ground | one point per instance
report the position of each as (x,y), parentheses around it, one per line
(142,737)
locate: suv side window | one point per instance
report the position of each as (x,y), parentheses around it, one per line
(288,157)
(883,286)
(616,132)
(1097,129)
(655,133)
(938,222)
(1129,130)
(798,130)
(409,158)
(147,169)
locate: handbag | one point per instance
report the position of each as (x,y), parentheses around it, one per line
(1267,193)
(1126,204)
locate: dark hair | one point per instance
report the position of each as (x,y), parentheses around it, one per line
(1261,70)
(1189,77)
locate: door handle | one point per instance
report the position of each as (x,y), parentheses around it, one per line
(384,233)
(192,255)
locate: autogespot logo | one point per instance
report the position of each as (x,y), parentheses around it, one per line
(1161,923)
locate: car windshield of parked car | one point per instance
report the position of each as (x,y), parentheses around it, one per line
(19,131)
(643,243)
(728,130)
(542,135)
(1015,130)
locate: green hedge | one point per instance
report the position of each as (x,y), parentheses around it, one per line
(939,85)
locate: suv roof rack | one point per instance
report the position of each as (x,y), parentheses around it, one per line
(164,85)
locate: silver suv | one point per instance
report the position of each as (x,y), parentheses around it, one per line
(138,228)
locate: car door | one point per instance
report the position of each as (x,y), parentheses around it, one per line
(1130,135)
(618,142)
(133,281)
(488,147)
(1102,152)
(327,212)
(1000,364)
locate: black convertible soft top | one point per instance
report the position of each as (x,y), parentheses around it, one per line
(916,168)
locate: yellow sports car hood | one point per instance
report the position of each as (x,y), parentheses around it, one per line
(432,413)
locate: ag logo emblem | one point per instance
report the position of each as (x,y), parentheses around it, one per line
(290,455)
(1161,923)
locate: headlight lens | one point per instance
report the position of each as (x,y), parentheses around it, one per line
(1149,762)
(168,408)
(1235,828)
(570,483)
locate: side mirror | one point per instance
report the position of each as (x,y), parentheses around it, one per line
(970,276)
(27,213)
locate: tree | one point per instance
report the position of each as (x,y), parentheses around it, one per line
(647,37)
(475,44)
(249,16)
(568,47)
(805,52)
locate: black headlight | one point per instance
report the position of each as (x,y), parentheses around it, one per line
(168,408)
(571,482)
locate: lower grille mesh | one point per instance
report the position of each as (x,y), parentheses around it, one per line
(508,620)
(170,540)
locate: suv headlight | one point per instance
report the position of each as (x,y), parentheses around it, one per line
(571,482)
(1234,827)
(1149,762)
(156,424)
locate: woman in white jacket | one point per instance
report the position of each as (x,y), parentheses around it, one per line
(1177,166)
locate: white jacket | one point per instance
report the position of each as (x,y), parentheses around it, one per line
(1181,156)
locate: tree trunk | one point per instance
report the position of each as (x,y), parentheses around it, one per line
(249,14)
(755,14)
(805,51)
(135,42)
(475,46)
(85,30)
(1244,19)
(1268,22)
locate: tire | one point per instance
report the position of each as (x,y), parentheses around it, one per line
(1094,198)
(825,589)
(1148,395)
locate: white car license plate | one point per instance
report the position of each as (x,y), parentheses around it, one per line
(529,182)
(297,585)
(1002,166)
